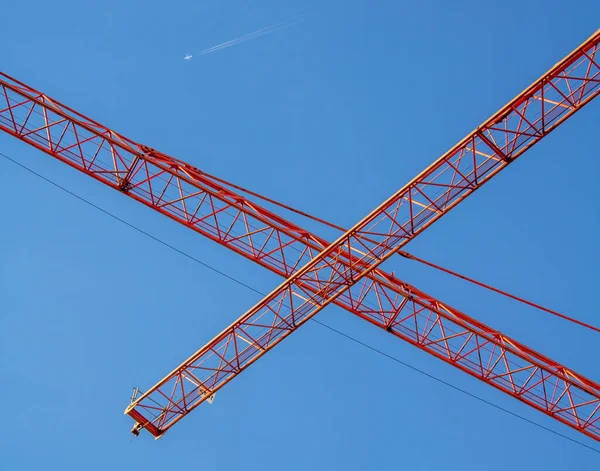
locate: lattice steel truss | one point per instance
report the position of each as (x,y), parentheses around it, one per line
(344,272)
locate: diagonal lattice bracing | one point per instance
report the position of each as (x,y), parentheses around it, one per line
(185,194)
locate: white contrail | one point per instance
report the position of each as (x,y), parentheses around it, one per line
(248,37)
(244,37)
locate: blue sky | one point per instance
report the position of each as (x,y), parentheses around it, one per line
(331,115)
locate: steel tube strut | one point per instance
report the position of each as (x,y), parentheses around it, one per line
(186,195)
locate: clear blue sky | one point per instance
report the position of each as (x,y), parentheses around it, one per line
(331,115)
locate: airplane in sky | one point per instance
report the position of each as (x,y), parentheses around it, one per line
(188,57)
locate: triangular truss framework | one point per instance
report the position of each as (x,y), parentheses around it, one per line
(345,272)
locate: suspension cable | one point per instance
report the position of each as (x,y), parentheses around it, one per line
(496,290)
(276,203)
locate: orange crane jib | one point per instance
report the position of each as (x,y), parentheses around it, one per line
(345,272)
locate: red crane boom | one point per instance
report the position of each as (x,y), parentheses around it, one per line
(427,323)
(184,193)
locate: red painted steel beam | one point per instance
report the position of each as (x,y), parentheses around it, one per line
(185,194)
(421,320)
